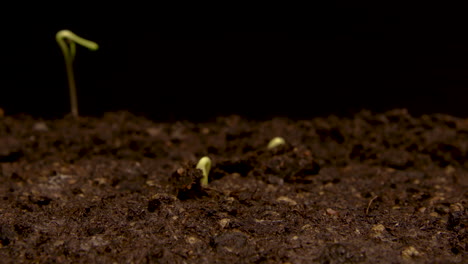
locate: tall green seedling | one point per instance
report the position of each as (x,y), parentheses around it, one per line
(66,40)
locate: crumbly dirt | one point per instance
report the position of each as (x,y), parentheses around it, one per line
(375,188)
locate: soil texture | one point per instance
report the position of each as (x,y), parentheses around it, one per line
(376,188)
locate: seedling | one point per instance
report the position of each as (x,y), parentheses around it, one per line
(66,40)
(204,165)
(275,142)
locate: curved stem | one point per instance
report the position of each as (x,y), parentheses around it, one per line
(204,165)
(275,142)
(67,34)
(63,37)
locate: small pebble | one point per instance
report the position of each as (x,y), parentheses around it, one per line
(456,207)
(40,126)
(331,212)
(377,230)
(224,222)
(192,240)
(287,200)
(153,131)
(410,252)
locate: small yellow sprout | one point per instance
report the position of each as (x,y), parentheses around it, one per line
(275,142)
(204,165)
(66,40)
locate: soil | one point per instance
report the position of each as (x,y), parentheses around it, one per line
(375,188)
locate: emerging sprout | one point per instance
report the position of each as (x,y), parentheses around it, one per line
(275,142)
(66,40)
(204,165)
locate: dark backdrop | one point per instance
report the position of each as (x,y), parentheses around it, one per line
(352,57)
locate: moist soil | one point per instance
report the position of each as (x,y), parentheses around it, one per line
(372,188)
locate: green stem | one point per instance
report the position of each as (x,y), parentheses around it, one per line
(63,37)
(72,87)
(205,166)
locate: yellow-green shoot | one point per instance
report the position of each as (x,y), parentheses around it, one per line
(204,165)
(275,142)
(66,40)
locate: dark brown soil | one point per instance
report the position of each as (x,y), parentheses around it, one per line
(377,188)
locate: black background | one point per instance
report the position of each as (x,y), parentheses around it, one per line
(337,60)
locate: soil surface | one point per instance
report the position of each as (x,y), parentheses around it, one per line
(375,188)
